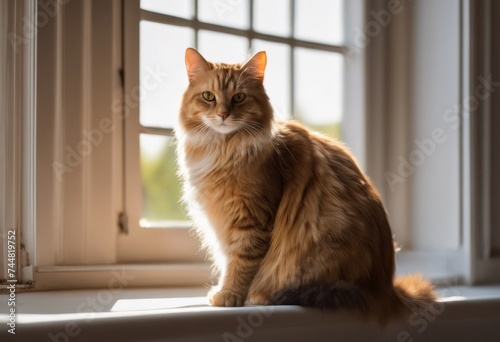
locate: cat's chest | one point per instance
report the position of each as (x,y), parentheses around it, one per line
(216,165)
(214,178)
(220,184)
(220,175)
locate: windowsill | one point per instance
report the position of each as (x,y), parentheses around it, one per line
(183,314)
(128,275)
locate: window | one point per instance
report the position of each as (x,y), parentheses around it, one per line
(443,213)
(304,79)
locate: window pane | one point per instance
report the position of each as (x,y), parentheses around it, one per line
(160,186)
(162,72)
(233,13)
(319,90)
(177,8)
(220,47)
(277,77)
(319,20)
(272,17)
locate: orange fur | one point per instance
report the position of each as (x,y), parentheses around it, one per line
(281,209)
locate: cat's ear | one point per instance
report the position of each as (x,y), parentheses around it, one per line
(195,63)
(256,65)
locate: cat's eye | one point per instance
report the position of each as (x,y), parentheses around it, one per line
(208,95)
(239,97)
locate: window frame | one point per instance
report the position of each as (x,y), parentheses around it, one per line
(472,262)
(17,144)
(390,118)
(163,242)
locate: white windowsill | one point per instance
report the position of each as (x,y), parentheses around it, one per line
(130,275)
(468,313)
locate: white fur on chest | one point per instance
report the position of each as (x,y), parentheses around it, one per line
(209,163)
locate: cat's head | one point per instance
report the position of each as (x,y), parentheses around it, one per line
(225,98)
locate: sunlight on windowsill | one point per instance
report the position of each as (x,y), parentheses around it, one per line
(55,306)
(140,304)
(183,314)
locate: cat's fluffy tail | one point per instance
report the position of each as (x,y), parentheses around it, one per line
(414,292)
(410,294)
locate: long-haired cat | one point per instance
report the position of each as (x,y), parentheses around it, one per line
(286,214)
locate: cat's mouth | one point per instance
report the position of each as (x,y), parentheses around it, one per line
(225,129)
(223,126)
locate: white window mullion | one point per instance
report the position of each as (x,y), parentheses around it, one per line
(354,122)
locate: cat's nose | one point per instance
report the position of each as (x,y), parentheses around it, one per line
(223,115)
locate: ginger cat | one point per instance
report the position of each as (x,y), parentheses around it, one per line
(286,214)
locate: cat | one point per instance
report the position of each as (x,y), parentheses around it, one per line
(286,214)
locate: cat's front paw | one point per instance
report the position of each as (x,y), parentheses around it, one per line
(226,298)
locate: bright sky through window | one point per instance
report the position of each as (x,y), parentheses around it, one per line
(318,81)
(303,83)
